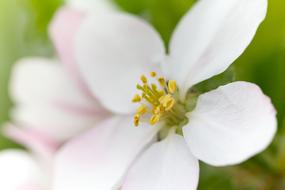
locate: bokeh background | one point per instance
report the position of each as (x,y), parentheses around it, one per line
(23,32)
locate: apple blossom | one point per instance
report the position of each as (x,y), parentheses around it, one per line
(51,100)
(26,175)
(228,125)
(26,170)
(48,100)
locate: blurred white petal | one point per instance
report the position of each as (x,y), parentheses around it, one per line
(55,122)
(38,80)
(19,171)
(100,158)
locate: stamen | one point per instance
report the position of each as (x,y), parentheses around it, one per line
(154,119)
(144,79)
(153,74)
(159,100)
(142,109)
(156,110)
(161,81)
(136,98)
(167,102)
(172,87)
(137,120)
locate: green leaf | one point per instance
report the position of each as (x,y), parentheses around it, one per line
(216,81)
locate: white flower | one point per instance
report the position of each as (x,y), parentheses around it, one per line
(228,125)
(21,171)
(51,100)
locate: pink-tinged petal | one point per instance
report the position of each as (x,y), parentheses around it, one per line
(211,36)
(231,124)
(19,171)
(37,142)
(48,100)
(63,29)
(113,51)
(166,165)
(43,81)
(100,158)
(56,123)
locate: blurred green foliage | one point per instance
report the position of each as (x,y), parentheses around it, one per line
(23,32)
(162,14)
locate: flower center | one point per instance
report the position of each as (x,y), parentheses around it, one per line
(159,102)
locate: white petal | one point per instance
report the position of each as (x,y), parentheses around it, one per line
(19,171)
(40,144)
(231,124)
(99,158)
(39,80)
(113,51)
(62,31)
(166,165)
(49,101)
(211,36)
(57,123)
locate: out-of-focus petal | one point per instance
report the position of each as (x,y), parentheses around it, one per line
(38,80)
(231,124)
(49,101)
(19,171)
(63,29)
(40,144)
(100,158)
(56,123)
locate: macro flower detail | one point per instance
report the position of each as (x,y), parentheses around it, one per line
(32,173)
(162,100)
(225,126)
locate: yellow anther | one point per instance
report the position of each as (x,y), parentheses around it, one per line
(137,120)
(167,102)
(144,79)
(163,99)
(156,99)
(172,87)
(153,74)
(156,110)
(161,92)
(154,119)
(161,81)
(136,98)
(142,109)
(153,86)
